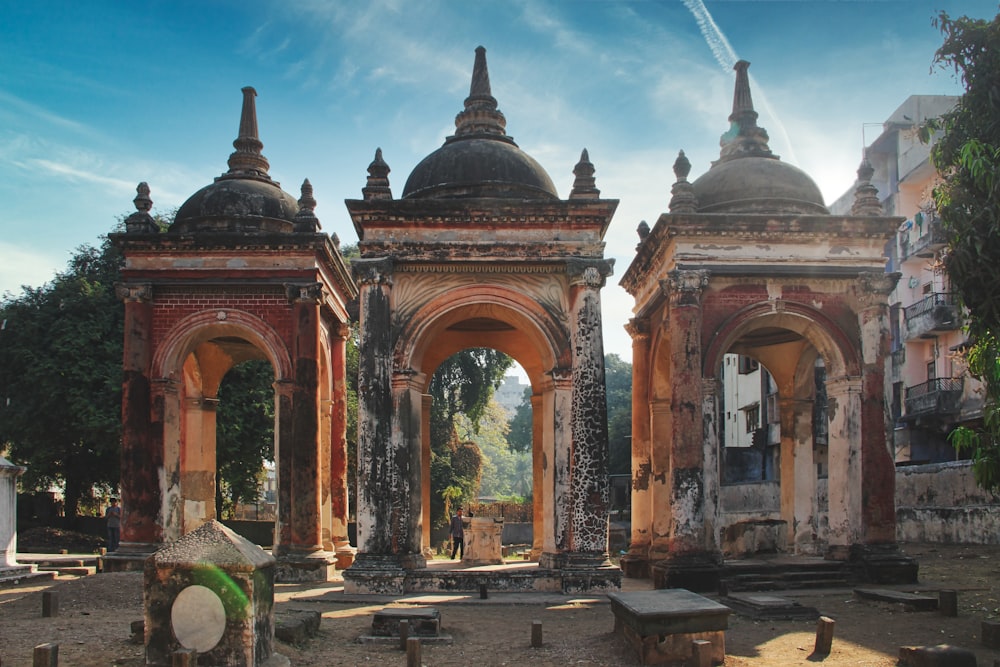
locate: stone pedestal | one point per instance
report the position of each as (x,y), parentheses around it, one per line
(696,572)
(10,569)
(211,591)
(661,625)
(884,563)
(483,541)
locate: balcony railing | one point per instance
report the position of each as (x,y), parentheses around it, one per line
(937,313)
(932,238)
(940,396)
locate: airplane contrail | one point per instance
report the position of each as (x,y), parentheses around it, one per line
(726,56)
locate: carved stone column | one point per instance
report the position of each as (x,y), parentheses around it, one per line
(538,460)
(691,562)
(557,494)
(142,444)
(589,465)
(798,474)
(636,562)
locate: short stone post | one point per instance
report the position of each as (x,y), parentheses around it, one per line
(824,635)
(185,657)
(482,592)
(536,634)
(46,655)
(50,604)
(948,602)
(413,652)
(404,633)
(701,653)
(991,634)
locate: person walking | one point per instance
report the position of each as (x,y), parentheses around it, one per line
(114,519)
(457,533)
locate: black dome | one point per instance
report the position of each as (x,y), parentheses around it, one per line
(237,205)
(479,167)
(757,185)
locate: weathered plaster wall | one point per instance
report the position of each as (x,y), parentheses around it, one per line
(941,502)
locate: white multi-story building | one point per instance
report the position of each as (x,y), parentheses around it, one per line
(931,390)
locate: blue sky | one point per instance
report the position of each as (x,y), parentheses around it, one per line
(96,96)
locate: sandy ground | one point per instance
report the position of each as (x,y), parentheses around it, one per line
(95,612)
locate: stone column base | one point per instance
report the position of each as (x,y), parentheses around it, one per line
(884,563)
(130,556)
(379,574)
(345,554)
(574,560)
(697,572)
(635,566)
(294,568)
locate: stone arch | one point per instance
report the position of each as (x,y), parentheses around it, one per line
(185,336)
(791,363)
(537,331)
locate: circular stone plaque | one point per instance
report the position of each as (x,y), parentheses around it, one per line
(198,618)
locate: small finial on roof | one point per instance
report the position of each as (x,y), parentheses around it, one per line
(584,186)
(378,179)
(141,222)
(865,194)
(643,230)
(683,199)
(306,220)
(248,161)
(744,138)
(481,115)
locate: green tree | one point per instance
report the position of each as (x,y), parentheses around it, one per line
(244,434)
(505,472)
(967,155)
(519,435)
(618,384)
(60,378)
(462,385)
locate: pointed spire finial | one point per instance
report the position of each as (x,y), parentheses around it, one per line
(306,220)
(248,161)
(745,138)
(865,194)
(378,179)
(584,187)
(481,115)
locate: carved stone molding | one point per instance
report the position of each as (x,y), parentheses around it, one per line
(638,329)
(685,287)
(373,271)
(590,273)
(304,293)
(874,287)
(134,292)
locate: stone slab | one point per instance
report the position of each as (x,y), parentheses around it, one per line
(909,601)
(763,606)
(668,611)
(423,621)
(942,655)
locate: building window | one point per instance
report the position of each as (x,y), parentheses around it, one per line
(748,365)
(752,414)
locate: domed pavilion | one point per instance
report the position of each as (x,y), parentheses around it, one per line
(749,262)
(480,252)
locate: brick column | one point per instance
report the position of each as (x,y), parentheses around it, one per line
(142,437)
(339,498)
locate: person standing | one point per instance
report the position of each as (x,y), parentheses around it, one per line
(457,533)
(114,518)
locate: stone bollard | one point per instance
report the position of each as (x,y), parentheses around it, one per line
(824,635)
(991,634)
(184,657)
(701,653)
(413,652)
(46,655)
(536,634)
(50,604)
(948,602)
(404,634)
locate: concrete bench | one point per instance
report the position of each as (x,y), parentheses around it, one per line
(662,624)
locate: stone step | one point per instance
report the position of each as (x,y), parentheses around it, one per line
(908,601)
(760,607)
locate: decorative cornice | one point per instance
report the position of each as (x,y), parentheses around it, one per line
(373,271)
(684,288)
(589,272)
(638,328)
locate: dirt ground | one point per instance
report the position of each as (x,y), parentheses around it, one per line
(95,612)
